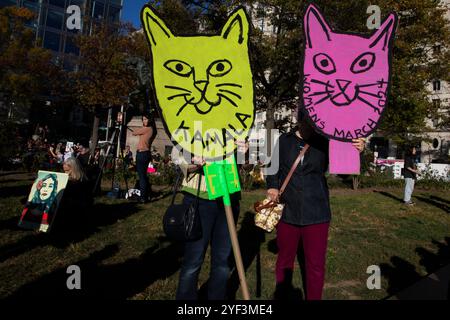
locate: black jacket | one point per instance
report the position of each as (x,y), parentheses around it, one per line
(306,197)
(409,163)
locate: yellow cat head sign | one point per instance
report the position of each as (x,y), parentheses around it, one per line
(203,84)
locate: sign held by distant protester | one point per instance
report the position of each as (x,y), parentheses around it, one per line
(43,202)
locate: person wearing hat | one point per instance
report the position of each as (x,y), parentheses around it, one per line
(306,216)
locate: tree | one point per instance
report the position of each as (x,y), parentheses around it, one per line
(26,70)
(103,79)
(416,63)
(181,21)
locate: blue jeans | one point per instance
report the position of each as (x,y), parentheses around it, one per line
(409,188)
(142,161)
(215,231)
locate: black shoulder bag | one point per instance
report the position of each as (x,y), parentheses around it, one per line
(181,222)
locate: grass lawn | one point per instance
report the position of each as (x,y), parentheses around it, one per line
(123,253)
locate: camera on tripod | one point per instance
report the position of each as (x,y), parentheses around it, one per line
(119,120)
(114,153)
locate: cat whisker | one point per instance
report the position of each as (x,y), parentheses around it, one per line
(232,93)
(178,88)
(369,94)
(227,98)
(228,84)
(184,106)
(327,84)
(322,100)
(370,105)
(343,93)
(178,95)
(320,93)
(368,85)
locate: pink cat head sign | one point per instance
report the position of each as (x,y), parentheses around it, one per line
(346,80)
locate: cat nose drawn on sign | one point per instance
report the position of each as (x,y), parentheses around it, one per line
(201,85)
(347,93)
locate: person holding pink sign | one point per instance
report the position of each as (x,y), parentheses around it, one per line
(306,217)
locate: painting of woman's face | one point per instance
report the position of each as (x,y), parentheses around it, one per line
(47,189)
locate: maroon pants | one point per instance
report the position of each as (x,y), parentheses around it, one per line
(313,240)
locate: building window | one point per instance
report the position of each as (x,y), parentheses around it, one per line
(437,49)
(55,19)
(436,85)
(52,41)
(435,143)
(114,14)
(71,47)
(77,2)
(435,122)
(98,9)
(58,3)
(7,3)
(436,103)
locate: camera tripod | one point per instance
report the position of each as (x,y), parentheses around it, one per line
(113,145)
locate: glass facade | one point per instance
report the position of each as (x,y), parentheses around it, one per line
(50,23)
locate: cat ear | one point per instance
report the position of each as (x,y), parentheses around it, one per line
(383,36)
(237,27)
(155,29)
(315,26)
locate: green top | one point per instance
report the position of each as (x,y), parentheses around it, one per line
(202,194)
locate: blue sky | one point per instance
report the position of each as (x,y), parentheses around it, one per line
(131,11)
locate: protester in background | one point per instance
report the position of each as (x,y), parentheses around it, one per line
(68,153)
(410,174)
(95,160)
(306,216)
(77,199)
(143,156)
(59,153)
(83,155)
(52,157)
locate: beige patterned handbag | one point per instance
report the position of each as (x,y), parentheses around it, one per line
(268,212)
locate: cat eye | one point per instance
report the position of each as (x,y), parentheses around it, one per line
(219,68)
(178,67)
(363,63)
(324,63)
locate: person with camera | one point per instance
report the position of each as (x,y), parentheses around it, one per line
(143,156)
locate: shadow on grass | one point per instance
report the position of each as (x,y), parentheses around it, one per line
(116,281)
(250,239)
(401,274)
(440,199)
(438,204)
(10,224)
(30,180)
(389,195)
(15,191)
(159,195)
(99,215)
